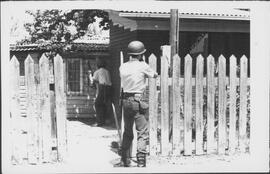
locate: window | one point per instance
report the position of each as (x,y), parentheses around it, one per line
(74,71)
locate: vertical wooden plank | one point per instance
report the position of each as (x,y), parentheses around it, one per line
(199,105)
(39,122)
(45,108)
(164,107)
(232,122)
(222,97)
(23,121)
(16,133)
(51,71)
(60,108)
(176,105)
(52,99)
(243,105)
(167,52)
(66,74)
(188,106)
(153,108)
(81,75)
(53,117)
(54,129)
(30,103)
(122,110)
(210,104)
(37,113)
(174,33)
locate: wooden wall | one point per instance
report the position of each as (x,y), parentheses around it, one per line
(119,39)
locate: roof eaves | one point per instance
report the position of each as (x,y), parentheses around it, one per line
(184,15)
(77,46)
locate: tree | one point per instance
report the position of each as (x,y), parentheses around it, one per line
(54,26)
(50,26)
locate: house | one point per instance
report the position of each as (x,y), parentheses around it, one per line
(201,31)
(78,61)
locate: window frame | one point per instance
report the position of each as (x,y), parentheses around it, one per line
(80,80)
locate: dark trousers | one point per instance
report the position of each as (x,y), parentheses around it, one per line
(134,112)
(103,103)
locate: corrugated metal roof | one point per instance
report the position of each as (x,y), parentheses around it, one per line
(73,46)
(212,13)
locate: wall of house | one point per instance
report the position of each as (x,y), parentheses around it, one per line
(216,44)
(227,44)
(119,39)
(152,41)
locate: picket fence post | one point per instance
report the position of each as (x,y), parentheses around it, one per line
(15,116)
(210,104)
(153,112)
(188,106)
(176,105)
(60,108)
(31,110)
(45,108)
(243,105)
(222,97)
(232,122)
(164,106)
(199,106)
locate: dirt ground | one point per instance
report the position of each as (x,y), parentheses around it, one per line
(90,151)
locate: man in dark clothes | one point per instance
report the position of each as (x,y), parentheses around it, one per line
(103,101)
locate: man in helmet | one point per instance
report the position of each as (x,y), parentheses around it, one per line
(133,81)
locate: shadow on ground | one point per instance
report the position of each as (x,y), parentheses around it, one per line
(110,125)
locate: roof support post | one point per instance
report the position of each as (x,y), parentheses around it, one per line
(174,34)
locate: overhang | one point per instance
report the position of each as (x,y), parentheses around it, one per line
(233,20)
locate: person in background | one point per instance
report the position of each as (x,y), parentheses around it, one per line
(102,79)
(133,76)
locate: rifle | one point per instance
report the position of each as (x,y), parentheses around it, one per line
(115,144)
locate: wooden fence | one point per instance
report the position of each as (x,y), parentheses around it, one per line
(208,112)
(36,111)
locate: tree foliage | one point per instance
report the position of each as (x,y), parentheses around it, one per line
(62,26)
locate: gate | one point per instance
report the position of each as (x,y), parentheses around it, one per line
(37,111)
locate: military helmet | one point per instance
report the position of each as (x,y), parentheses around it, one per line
(136,48)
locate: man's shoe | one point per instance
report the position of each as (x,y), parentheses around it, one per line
(141,160)
(123,163)
(125,158)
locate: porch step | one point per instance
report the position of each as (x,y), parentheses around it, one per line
(80,110)
(78,97)
(80,107)
(81,115)
(83,101)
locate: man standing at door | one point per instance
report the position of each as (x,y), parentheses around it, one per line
(102,79)
(133,78)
